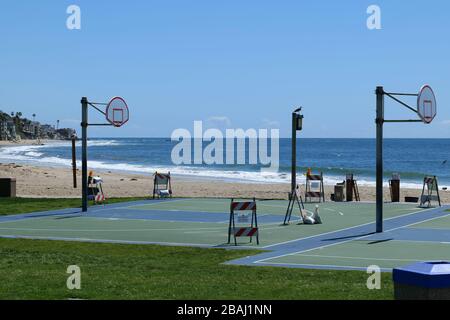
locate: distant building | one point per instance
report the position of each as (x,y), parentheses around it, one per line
(7,130)
(66,133)
(14,128)
(4,132)
(47,132)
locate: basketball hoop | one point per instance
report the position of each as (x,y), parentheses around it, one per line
(425,109)
(426,104)
(117,112)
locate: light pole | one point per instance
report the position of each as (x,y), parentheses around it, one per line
(297,125)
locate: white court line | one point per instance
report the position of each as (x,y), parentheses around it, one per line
(432,228)
(138,205)
(212,231)
(185,210)
(408,209)
(218,200)
(215,201)
(116,219)
(324,266)
(412,224)
(284,207)
(26,216)
(279,226)
(418,241)
(21,218)
(328,209)
(358,238)
(356,258)
(107,230)
(355,239)
(342,242)
(271,205)
(262,215)
(344,229)
(178,244)
(155,220)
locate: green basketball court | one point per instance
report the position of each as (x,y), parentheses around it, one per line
(344,240)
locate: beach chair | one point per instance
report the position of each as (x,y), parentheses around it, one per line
(95,189)
(162,187)
(430,192)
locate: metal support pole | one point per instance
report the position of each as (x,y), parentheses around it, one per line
(294,154)
(379,166)
(84,173)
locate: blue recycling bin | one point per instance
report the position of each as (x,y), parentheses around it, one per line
(422,281)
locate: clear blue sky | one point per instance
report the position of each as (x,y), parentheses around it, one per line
(244,63)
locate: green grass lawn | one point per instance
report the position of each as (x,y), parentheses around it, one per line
(36,269)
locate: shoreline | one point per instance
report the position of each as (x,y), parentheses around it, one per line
(20,156)
(27,142)
(196,175)
(57,182)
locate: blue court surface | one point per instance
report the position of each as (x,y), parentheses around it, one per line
(345,240)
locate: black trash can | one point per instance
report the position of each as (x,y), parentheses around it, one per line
(338,193)
(394,186)
(7,188)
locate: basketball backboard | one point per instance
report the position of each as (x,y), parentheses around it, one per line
(117,112)
(426,104)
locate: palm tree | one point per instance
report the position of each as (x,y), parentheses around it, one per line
(34,116)
(16,117)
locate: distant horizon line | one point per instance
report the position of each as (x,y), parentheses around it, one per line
(298,138)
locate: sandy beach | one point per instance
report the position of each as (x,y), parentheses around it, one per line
(25,142)
(58,183)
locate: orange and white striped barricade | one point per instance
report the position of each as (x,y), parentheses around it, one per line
(314,188)
(244,231)
(100,198)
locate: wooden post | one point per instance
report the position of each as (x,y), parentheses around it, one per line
(349,187)
(74,162)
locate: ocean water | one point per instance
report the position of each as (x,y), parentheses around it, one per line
(411,158)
